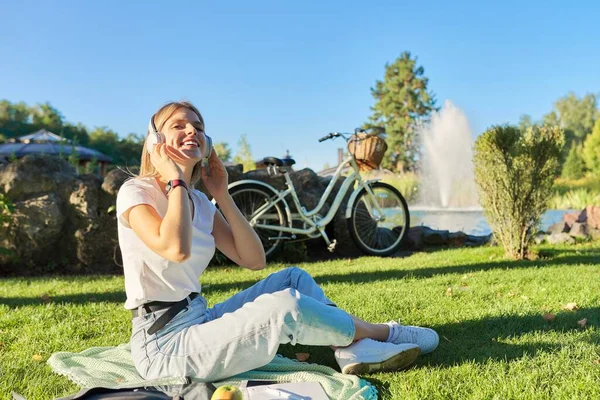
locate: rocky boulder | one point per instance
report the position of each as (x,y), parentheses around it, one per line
(36,175)
(65,222)
(52,204)
(591,216)
(583,225)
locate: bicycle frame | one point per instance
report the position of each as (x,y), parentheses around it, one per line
(318,224)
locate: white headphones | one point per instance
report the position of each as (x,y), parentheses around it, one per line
(155,137)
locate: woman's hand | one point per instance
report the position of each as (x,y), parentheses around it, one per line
(164,164)
(217,183)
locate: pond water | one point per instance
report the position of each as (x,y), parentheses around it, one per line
(470,221)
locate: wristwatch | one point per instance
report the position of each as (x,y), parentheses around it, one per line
(174,183)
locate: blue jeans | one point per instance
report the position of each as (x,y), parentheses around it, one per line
(241,333)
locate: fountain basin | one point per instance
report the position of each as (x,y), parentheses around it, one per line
(471,221)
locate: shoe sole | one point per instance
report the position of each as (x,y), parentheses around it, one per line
(397,362)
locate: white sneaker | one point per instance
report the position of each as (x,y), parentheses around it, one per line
(427,339)
(368,355)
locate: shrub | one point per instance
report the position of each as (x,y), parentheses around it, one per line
(577,199)
(574,167)
(514,172)
(6,209)
(407,183)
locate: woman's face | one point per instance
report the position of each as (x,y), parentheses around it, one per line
(184,131)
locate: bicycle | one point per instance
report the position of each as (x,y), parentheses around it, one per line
(377,213)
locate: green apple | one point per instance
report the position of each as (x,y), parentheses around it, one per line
(227,392)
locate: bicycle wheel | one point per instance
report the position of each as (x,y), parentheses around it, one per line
(374,234)
(250,197)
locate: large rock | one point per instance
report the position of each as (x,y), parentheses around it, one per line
(594,233)
(414,239)
(86,195)
(539,238)
(435,237)
(34,234)
(591,215)
(457,238)
(36,175)
(115,178)
(570,218)
(61,220)
(558,227)
(560,238)
(579,230)
(475,240)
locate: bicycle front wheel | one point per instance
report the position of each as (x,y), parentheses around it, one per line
(251,198)
(374,233)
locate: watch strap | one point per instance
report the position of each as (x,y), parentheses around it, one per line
(174,183)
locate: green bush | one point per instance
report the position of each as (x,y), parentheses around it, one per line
(574,167)
(591,149)
(590,182)
(577,199)
(407,183)
(514,172)
(6,209)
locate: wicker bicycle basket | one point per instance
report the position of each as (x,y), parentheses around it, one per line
(368,150)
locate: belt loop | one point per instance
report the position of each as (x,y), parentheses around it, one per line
(140,311)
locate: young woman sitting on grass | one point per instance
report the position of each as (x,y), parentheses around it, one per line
(168,232)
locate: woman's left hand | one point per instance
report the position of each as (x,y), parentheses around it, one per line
(218,181)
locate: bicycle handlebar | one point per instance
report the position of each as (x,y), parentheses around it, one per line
(338,134)
(326,137)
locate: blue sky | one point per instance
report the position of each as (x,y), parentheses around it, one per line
(286,73)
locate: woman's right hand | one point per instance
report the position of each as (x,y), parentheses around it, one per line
(164,164)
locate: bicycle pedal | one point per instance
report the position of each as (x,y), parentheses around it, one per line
(331,246)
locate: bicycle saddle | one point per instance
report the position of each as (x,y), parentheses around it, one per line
(278,162)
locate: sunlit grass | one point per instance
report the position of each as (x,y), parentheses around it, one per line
(495,343)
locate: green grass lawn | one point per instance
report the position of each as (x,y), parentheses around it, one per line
(495,343)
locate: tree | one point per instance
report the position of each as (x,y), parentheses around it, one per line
(574,166)
(76,133)
(525,121)
(551,119)
(591,150)
(129,150)
(401,101)
(105,141)
(15,119)
(48,117)
(18,112)
(575,116)
(223,151)
(244,154)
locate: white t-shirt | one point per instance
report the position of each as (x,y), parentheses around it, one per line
(148,276)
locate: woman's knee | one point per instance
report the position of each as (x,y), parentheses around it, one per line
(283,300)
(296,272)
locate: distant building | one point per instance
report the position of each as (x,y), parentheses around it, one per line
(45,142)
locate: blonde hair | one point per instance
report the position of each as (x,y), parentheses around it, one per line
(147,170)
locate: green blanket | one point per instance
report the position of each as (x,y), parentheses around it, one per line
(112,367)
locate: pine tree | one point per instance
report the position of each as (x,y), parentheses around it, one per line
(402,100)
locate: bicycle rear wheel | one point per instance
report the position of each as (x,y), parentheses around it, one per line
(374,234)
(249,197)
